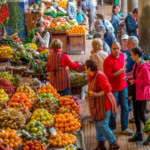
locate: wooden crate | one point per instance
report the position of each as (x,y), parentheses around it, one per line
(61,36)
(31,19)
(77,44)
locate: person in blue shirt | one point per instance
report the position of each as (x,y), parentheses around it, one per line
(115,19)
(71,9)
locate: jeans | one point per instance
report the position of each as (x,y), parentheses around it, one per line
(139,108)
(65,92)
(122,100)
(103,131)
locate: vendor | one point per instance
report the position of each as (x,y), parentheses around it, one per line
(56,65)
(41,37)
(101,103)
(71,9)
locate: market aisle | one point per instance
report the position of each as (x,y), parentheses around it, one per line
(88,127)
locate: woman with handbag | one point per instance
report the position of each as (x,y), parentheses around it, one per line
(102,103)
(140,81)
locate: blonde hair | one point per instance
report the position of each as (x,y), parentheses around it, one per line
(98,44)
(56,44)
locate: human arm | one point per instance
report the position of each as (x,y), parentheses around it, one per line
(65,61)
(102,85)
(34,39)
(45,40)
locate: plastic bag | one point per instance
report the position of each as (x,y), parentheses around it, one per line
(80,17)
(84,108)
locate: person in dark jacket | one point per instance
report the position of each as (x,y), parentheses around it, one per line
(131,23)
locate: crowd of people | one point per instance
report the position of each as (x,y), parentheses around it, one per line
(118,74)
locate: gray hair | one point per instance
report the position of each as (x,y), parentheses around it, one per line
(134,39)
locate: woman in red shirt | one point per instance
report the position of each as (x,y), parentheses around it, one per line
(56,65)
(102,103)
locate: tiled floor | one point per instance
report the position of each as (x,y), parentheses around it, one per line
(90,136)
(89,129)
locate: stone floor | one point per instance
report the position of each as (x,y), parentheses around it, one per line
(89,130)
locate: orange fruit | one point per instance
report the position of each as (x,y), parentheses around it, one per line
(57,129)
(16,144)
(43,87)
(56,125)
(64,143)
(54,143)
(6,140)
(61,125)
(67,130)
(60,144)
(66,125)
(58,120)
(72,128)
(64,120)
(62,129)
(11,140)
(11,145)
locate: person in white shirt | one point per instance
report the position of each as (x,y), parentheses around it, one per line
(41,36)
(98,53)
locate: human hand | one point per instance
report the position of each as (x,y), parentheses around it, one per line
(122,71)
(93,94)
(125,78)
(131,82)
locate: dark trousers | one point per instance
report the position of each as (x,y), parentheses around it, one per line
(139,108)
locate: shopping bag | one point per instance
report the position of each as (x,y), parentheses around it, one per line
(84,108)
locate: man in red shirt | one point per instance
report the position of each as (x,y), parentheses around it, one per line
(114,68)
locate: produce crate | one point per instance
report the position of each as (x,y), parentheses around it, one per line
(77,44)
(31,19)
(61,36)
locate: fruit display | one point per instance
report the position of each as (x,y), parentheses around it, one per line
(7,86)
(63,110)
(35,128)
(47,104)
(8,41)
(4,13)
(78,79)
(38,8)
(21,98)
(21,107)
(66,123)
(42,57)
(147,127)
(43,116)
(69,103)
(71,147)
(10,137)
(3,104)
(3,95)
(4,146)
(35,145)
(28,92)
(12,118)
(7,76)
(61,26)
(61,139)
(16,38)
(63,4)
(30,46)
(38,67)
(77,29)
(50,96)
(6,52)
(48,89)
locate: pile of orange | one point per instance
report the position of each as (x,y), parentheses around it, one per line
(35,145)
(10,137)
(78,29)
(61,140)
(66,123)
(69,103)
(21,98)
(48,89)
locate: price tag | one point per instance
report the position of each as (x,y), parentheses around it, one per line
(53,131)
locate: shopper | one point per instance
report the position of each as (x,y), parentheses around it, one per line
(131,23)
(106,22)
(82,4)
(56,65)
(141,93)
(41,36)
(102,104)
(108,35)
(99,54)
(71,9)
(115,20)
(105,45)
(114,68)
(129,65)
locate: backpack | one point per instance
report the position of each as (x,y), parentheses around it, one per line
(121,30)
